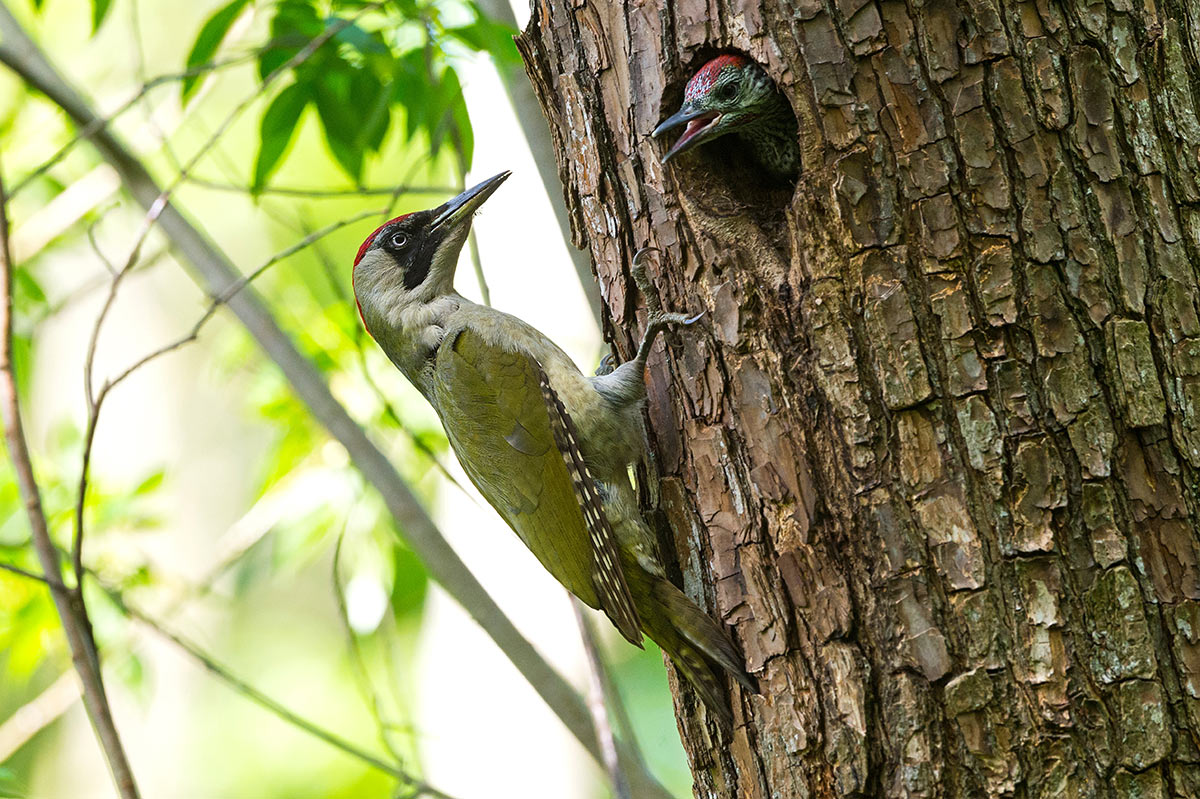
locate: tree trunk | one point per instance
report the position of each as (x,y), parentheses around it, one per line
(936,456)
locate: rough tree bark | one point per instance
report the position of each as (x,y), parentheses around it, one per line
(936,459)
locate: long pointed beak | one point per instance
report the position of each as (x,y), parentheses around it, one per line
(697,119)
(464,205)
(685,114)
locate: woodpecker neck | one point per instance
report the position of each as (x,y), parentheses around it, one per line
(410,334)
(771,137)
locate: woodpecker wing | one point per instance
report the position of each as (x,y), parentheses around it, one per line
(519,446)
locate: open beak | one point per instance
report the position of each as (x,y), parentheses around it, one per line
(454,211)
(698,122)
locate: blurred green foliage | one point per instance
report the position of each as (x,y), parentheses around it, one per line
(355,86)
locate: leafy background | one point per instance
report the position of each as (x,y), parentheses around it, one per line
(217,503)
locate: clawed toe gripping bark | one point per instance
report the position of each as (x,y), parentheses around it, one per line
(659,320)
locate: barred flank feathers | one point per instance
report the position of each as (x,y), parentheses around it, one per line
(607,576)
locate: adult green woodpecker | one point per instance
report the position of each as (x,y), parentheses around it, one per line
(546,446)
(732,94)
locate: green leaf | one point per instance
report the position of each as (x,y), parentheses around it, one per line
(409,583)
(376,109)
(459,117)
(362,41)
(487,36)
(99,12)
(412,91)
(9,788)
(150,484)
(446,109)
(295,24)
(339,110)
(279,124)
(212,33)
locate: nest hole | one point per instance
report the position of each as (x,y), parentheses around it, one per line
(722,174)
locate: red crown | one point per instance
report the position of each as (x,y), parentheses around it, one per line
(703,80)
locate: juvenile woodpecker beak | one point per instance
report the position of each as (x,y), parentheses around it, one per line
(455,211)
(699,122)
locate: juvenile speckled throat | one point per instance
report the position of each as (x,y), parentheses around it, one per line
(548,447)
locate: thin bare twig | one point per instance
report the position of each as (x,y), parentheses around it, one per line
(91,128)
(357,658)
(95,403)
(70,605)
(93,406)
(322,194)
(417,786)
(28,575)
(91,237)
(597,704)
(44,709)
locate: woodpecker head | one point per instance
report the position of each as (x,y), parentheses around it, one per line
(410,260)
(728,94)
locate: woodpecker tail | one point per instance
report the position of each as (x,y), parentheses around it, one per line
(697,645)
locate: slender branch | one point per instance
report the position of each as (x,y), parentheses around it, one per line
(70,605)
(95,245)
(28,575)
(95,403)
(36,714)
(214,271)
(43,709)
(322,194)
(99,123)
(597,704)
(528,112)
(357,658)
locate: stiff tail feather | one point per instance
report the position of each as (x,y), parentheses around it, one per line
(697,645)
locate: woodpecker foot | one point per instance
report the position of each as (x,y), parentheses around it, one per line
(659,320)
(648,289)
(607,365)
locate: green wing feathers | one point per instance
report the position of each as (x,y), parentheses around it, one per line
(502,418)
(607,574)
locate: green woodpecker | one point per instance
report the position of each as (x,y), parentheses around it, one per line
(732,94)
(548,447)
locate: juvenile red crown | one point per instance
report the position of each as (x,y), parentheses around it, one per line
(706,76)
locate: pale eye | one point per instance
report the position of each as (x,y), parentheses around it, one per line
(398,240)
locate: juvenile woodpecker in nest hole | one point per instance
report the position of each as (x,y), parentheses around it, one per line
(546,446)
(732,94)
